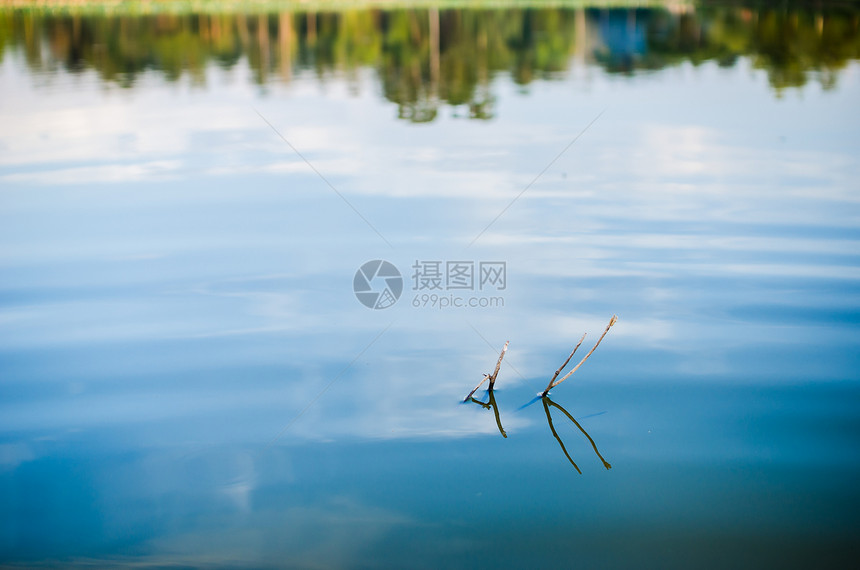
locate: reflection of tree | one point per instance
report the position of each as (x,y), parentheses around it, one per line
(425,58)
(790,43)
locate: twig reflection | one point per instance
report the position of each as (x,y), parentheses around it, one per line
(543,397)
(547,403)
(491,403)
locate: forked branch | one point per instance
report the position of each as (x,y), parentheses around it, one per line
(491,377)
(498,364)
(553,383)
(469,395)
(560,368)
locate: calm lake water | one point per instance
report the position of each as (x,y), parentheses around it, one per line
(188,377)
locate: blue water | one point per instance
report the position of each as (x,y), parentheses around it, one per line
(187,378)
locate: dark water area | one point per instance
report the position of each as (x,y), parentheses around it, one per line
(253,259)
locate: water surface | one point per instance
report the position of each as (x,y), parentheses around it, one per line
(187,378)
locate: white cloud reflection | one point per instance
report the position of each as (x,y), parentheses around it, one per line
(163,246)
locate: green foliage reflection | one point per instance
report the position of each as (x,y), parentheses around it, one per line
(430,57)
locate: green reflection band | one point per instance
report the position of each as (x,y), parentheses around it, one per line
(428,56)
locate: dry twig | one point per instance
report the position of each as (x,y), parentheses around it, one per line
(498,365)
(552,383)
(466,399)
(491,377)
(560,368)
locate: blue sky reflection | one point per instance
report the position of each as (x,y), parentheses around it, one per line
(177,289)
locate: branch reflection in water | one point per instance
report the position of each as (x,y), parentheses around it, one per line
(491,404)
(547,403)
(543,396)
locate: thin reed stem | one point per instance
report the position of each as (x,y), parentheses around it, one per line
(498,364)
(552,384)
